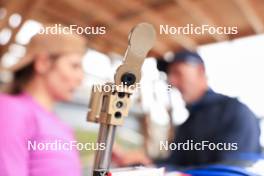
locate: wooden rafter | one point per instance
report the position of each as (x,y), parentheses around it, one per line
(249,11)
(24,10)
(200,16)
(152,16)
(119,16)
(121,28)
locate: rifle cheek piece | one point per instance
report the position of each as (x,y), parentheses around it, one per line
(110,107)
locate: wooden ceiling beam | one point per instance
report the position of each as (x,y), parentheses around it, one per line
(68,18)
(99,11)
(152,16)
(116,41)
(252,16)
(48,15)
(25,10)
(11,7)
(102,15)
(200,16)
(121,29)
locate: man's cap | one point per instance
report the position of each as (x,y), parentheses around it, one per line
(182,56)
(50,44)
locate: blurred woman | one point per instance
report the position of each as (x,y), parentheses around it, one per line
(33,141)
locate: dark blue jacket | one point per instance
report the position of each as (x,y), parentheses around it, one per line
(218,119)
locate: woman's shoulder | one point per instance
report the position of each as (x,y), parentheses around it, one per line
(6,96)
(16,116)
(13,101)
(12,106)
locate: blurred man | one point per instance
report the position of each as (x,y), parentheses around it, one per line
(213,118)
(219,128)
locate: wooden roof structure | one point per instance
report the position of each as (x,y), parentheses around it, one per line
(119,16)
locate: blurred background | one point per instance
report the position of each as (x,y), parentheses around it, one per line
(234,63)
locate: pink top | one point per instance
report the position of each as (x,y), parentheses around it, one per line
(31,140)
